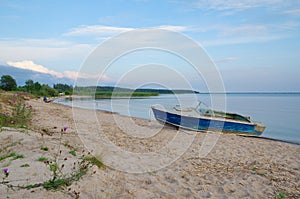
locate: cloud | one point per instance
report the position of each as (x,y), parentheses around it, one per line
(225,35)
(293,12)
(30,65)
(235,5)
(95,30)
(112,30)
(241,40)
(244,30)
(226,59)
(42,50)
(173,28)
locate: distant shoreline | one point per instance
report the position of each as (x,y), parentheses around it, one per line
(253,93)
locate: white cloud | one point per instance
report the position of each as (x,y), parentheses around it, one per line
(234,4)
(96,30)
(244,30)
(240,40)
(112,30)
(173,28)
(44,50)
(293,12)
(30,65)
(225,35)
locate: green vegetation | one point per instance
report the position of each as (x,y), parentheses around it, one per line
(58,183)
(60,180)
(42,159)
(72,152)
(95,161)
(25,165)
(43,148)
(254,168)
(53,167)
(280,195)
(108,94)
(12,155)
(13,110)
(108,90)
(18,156)
(33,186)
(36,89)
(63,88)
(8,83)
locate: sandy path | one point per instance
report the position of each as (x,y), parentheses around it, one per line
(144,166)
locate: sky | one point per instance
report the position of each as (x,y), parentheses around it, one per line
(255,44)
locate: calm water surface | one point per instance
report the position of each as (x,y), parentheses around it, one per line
(280,113)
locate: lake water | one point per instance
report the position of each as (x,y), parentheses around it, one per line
(280,113)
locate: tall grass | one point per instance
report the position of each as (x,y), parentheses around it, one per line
(13,110)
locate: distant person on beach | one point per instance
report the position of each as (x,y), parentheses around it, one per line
(46,100)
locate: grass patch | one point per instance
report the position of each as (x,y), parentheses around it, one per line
(25,165)
(5,156)
(94,161)
(12,155)
(72,152)
(15,113)
(254,169)
(42,159)
(53,167)
(33,186)
(57,183)
(280,195)
(18,156)
(43,148)
(60,180)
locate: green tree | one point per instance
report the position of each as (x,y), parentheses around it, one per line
(63,88)
(48,91)
(8,83)
(37,86)
(32,87)
(29,85)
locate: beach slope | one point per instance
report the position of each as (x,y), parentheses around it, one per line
(235,167)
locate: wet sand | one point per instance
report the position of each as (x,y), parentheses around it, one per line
(146,160)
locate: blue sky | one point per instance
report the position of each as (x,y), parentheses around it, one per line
(255,44)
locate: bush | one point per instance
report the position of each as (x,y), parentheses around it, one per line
(48,91)
(16,114)
(8,83)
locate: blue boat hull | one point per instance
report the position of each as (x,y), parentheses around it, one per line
(202,124)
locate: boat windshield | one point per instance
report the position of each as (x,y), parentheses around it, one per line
(204,110)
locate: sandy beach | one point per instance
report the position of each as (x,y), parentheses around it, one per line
(146,160)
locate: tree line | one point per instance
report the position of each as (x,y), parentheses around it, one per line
(8,83)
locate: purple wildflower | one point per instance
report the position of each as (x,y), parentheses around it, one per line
(6,171)
(65,128)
